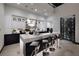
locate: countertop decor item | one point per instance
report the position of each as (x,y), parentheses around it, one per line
(13,31)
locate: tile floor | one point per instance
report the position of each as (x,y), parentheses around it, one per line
(67,49)
(11,50)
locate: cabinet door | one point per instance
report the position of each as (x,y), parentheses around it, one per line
(11,39)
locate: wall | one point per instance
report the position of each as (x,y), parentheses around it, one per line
(1,26)
(67,10)
(53,22)
(9,11)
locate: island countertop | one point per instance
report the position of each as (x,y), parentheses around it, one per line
(29,38)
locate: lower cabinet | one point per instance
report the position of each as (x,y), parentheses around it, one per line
(11,39)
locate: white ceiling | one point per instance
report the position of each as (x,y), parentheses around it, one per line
(39,8)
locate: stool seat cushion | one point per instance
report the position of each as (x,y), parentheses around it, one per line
(45,41)
(34,43)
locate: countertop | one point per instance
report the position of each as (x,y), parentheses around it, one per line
(29,38)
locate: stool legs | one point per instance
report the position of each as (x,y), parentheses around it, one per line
(46,47)
(36,50)
(58,43)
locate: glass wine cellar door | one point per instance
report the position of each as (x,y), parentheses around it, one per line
(67,28)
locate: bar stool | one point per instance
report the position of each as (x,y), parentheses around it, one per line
(50,41)
(54,37)
(37,46)
(58,40)
(45,45)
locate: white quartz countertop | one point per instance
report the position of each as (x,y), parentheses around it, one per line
(29,38)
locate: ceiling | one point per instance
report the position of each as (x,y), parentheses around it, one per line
(43,9)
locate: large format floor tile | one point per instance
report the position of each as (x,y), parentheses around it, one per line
(11,50)
(67,48)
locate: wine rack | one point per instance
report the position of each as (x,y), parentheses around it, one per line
(67,28)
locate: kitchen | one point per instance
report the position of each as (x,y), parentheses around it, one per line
(39,28)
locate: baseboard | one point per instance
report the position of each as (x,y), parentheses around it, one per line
(1,49)
(76,43)
(73,42)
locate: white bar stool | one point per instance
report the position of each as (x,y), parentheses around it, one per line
(45,45)
(37,46)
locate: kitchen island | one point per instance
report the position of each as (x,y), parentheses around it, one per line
(27,38)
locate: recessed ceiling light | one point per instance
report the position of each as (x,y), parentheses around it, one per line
(35,9)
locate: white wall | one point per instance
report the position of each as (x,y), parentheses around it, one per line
(68,10)
(9,11)
(53,22)
(1,26)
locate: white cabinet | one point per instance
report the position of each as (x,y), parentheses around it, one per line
(1,26)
